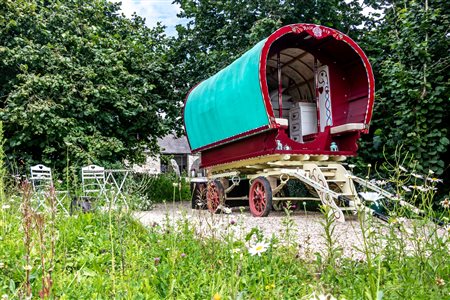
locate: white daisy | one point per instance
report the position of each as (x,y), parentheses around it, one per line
(371,196)
(417,175)
(258,248)
(434,179)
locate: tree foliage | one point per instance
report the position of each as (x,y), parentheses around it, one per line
(218,32)
(407,44)
(79,78)
(409,52)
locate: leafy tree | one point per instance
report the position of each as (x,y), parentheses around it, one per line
(409,48)
(81,80)
(220,31)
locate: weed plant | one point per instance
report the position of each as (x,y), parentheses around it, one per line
(110,255)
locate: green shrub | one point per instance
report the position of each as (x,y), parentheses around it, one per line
(147,189)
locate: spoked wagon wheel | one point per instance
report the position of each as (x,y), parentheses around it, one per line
(260,197)
(214,195)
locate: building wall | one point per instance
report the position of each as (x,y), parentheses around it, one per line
(152,165)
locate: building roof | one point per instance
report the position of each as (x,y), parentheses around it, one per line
(170,144)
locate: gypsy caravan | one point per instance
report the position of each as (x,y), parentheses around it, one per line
(291,108)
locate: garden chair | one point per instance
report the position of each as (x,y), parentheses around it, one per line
(42,182)
(93,181)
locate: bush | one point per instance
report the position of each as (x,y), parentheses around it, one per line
(147,189)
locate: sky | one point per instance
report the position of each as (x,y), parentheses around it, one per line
(154,11)
(162,11)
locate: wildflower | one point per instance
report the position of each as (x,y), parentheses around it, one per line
(416,187)
(402,168)
(227,210)
(430,172)
(351,166)
(235,250)
(406,189)
(2,265)
(407,230)
(27,268)
(445,203)
(157,260)
(371,196)
(381,182)
(232,222)
(5,206)
(5,297)
(440,281)
(183,255)
(417,175)
(258,248)
(270,286)
(369,165)
(423,189)
(322,297)
(216,297)
(434,179)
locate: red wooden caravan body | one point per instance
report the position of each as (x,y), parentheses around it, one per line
(316,89)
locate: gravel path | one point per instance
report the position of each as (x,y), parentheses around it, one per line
(306,230)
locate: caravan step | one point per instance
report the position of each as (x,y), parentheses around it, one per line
(329,174)
(336,181)
(327,168)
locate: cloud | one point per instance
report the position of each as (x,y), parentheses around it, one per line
(154,11)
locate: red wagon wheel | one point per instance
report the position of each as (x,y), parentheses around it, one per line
(214,195)
(260,197)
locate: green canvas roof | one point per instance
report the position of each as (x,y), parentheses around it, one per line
(215,108)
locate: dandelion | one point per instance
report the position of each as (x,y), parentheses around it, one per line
(216,297)
(417,175)
(270,286)
(440,281)
(434,179)
(258,248)
(445,203)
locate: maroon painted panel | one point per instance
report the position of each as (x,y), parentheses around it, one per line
(265,144)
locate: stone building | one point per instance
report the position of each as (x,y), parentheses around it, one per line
(171,148)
